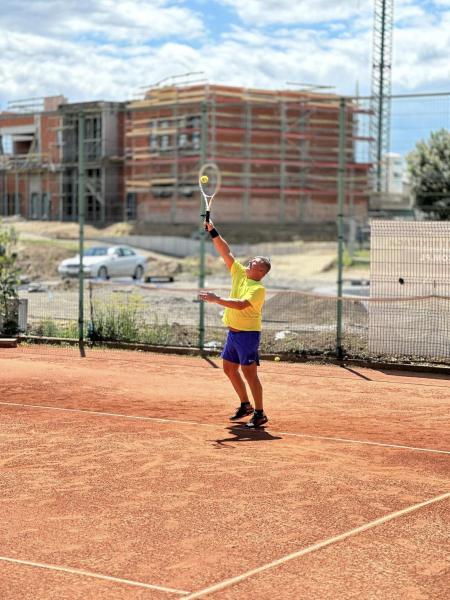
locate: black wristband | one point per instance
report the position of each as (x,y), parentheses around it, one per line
(214,233)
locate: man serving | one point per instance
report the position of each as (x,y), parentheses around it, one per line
(243,317)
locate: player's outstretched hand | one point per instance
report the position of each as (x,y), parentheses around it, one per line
(208,297)
(208,225)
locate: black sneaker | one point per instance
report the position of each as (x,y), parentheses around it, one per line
(242,411)
(257,421)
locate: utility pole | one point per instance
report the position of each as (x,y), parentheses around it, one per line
(201,274)
(81,217)
(340,223)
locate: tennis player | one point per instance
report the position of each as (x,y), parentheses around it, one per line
(242,316)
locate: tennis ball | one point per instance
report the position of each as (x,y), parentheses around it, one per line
(204,179)
(277,359)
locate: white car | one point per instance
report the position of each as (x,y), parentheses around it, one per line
(105,262)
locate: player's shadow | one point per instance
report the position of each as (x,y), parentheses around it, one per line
(239,433)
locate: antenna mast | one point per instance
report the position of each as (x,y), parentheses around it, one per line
(381,85)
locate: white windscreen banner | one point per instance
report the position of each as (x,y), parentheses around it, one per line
(410,264)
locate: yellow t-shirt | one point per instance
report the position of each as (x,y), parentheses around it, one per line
(242,288)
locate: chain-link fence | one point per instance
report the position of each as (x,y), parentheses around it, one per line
(295,323)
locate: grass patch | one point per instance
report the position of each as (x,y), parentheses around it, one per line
(128,320)
(70,245)
(56,328)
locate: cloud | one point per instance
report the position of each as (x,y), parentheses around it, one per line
(420,56)
(130,21)
(286,12)
(124,45)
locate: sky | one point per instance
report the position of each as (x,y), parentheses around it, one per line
(114,49)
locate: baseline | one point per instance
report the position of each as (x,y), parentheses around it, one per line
(214,426)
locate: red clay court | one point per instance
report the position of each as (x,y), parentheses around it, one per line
(122,478)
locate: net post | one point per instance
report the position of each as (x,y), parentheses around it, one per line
(81,217)
(201,275)
(340,225)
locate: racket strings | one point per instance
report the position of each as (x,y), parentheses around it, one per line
(210,187)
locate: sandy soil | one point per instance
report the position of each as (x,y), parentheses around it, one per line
(306,265)
(58,230)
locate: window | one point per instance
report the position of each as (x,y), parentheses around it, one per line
(45,206)
(196,140)
(8,204)
(162,191)
(153,140)
(165,138)
(182,140)
(93,127)
(6,144)
(93,134)
(165,142)
(130,206)
(128,252)
(193,122)
(187,190)
(35,212)
(96,251)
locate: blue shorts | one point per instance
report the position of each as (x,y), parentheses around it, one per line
(241,347)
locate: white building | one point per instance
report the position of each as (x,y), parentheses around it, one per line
(393,173)
(395,196)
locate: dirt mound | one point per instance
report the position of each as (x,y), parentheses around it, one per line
(38,261)
(58,230)
(297,307)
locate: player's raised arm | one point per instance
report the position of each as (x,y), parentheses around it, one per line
(220,244)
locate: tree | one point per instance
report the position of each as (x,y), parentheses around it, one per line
(9,280)
(429,169)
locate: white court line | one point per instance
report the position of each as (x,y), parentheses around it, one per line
(322,437)
(95,575)
(338,538)
(212,426)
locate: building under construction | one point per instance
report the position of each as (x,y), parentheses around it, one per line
(278,152)
(39,154)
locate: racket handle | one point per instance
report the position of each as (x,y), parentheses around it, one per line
(207,213)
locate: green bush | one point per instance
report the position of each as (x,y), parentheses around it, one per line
(57,329)
(124,320)
(9,280)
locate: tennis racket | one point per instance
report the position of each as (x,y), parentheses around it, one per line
(209,181)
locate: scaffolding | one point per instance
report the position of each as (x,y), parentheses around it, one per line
(278,153)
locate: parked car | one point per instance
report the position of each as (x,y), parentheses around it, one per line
(105,262)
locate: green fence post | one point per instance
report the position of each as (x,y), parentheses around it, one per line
(81,216)
(201,276)
(340,223)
